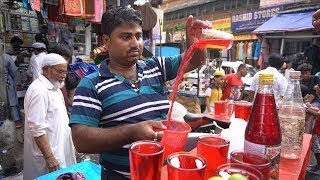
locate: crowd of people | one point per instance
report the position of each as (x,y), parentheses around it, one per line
(125,100)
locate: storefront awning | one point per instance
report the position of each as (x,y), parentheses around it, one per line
(296,21)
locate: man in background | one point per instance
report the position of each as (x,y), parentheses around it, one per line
(280,83)
(48,144)
(233,84)
(34,69)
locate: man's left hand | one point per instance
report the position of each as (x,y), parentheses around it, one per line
(194,30)
(148,130)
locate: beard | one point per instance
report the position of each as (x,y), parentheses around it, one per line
(57,84)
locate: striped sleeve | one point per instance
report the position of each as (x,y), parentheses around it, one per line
(172,65)
(86,106)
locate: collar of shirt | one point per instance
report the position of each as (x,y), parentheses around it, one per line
(105,72)
(272,69)
(46,82)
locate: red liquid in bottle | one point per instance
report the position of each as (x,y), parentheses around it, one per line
(263,133)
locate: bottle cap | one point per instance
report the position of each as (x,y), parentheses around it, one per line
(295,74)
(266,79)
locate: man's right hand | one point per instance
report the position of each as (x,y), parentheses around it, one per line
(148,130)
(52,164)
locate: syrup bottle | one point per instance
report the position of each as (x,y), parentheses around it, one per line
(263,133)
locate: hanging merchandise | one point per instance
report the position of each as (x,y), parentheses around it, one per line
(35,5)
(53,2)
(89,8)
(2,28)
(98,11)
(59,33)
(253,48)
(261,61)
(26,5)
(240,51)
(73,7)
(245,49)
(249,50)
(7,20)
(233,52)
(257,50)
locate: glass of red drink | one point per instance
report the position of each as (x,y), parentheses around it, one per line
(184,165)
(175,136)
(242,110)
(229,169)
(146,160)
(220,108)
(230,108)
(262,163)
(214,149)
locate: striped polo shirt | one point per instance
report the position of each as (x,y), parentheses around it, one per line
(103,99)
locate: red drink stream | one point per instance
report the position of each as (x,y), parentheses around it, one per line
(211,43)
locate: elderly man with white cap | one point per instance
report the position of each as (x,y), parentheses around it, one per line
(48,144)
(34,69)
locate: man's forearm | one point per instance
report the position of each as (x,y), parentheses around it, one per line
(95,140)
(43,144)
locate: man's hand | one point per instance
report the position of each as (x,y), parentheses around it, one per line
(316,20)
(148,130)
(52,164)
(194,30)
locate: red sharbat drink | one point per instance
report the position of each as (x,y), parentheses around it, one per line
(263,133)
(200,45)
(146,159)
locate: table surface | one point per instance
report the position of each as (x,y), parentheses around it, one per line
(289,169)
(212,117)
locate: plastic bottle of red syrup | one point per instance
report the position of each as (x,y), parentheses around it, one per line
(263,132)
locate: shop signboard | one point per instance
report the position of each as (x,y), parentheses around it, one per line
(249,21)
(222,24)
(268,3)
(244,37)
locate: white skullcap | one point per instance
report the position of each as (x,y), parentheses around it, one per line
(38,45)
(52,59)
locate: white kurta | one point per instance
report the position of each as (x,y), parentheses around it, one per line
(45,113)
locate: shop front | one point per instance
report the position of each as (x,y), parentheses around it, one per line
(247,46)
(291,39)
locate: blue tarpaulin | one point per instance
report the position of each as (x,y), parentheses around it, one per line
(90,170)
(295,21)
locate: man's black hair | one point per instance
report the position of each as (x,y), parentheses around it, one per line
(115,17)
(276,61)
(242,66)
(304,67)
(62,50)
(17,40)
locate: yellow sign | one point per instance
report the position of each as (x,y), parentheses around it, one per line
(222,25)
(243,37)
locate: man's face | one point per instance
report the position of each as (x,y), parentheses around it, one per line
(125,44)
(57,74)
(244,71)
(305,75)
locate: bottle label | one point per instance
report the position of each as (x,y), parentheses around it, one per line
(271,151)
